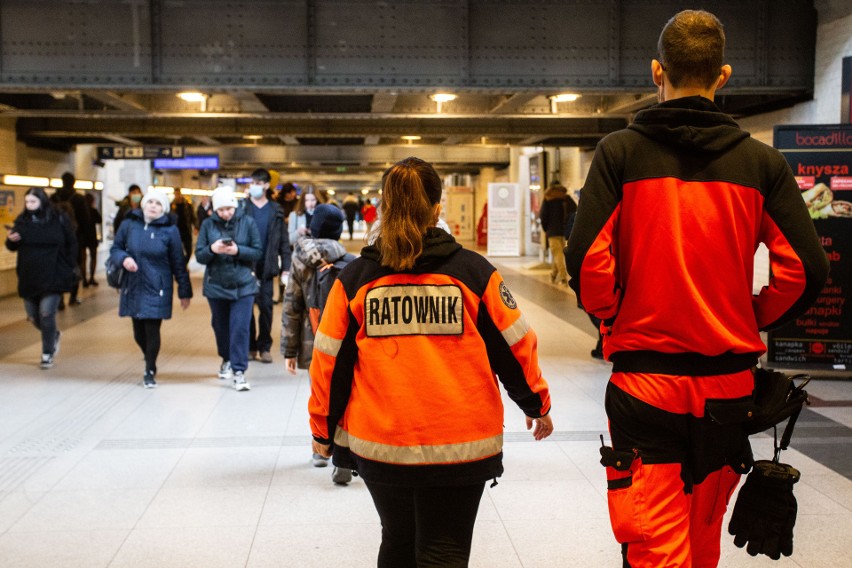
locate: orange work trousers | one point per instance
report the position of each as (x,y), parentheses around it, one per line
(667,507)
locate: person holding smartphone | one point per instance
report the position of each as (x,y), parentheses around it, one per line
(43,236)
(229,245)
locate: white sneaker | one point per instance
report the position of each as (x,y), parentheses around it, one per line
(46,361)
(319,461)
(225,371)
(240,381)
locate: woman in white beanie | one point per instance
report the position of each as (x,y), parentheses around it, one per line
(229,244)
(148,246)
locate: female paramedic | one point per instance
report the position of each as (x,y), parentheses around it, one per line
(413,338)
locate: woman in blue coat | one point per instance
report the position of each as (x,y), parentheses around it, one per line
(47,253)
(148,245)
(229,244)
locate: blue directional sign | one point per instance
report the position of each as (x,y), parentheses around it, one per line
(198,162)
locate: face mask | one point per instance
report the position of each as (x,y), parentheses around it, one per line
(135,198)
(255,190)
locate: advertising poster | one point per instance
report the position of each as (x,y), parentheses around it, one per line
(821,158)
(538,167)
(7,218)
(504,219)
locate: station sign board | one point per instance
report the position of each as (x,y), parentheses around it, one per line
(139,152)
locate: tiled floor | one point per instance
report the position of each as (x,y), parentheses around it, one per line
(95,471)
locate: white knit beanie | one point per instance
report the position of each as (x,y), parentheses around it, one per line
(156,195)
(223,197)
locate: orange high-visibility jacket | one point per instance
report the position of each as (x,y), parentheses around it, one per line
(404,377)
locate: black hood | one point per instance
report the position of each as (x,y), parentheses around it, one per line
(437,244)
(691,122)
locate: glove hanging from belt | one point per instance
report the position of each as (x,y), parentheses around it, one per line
(765,512)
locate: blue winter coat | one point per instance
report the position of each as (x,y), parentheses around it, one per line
(229,277)
(156,248)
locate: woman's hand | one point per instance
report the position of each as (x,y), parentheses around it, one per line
(13,236)
(219,247)
(129,264)
(322,449)
(303,231)
(184,303)
(290,364)
(543,427)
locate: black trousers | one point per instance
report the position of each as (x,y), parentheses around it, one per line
(426,526)
(146,332)
(260,332)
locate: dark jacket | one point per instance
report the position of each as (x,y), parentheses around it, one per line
(77,209)
(229,277)
(185,215)
(297,337)
(156,248)
(663,245)
(47,253)
(556,210)
(276,257)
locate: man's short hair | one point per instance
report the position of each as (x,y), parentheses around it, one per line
(261,175)
(691,49)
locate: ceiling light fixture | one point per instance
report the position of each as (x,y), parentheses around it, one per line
(253,137)
(194,97)
(561,98)
(411,138)
(441,98)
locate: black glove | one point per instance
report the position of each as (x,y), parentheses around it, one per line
(765,512)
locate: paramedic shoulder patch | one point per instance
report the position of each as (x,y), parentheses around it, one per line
(413,310)
(506,296)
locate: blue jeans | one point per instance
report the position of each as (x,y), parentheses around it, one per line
(230,319)
(42,312)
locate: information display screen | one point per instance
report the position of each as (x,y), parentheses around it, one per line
(187,163)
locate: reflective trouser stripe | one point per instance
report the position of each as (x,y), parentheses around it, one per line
(420,455)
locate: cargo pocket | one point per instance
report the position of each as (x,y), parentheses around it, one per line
(625,495)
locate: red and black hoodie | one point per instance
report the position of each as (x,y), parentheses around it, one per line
(671,214)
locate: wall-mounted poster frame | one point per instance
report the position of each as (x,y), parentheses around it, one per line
(538,182)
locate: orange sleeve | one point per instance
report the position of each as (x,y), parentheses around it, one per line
(512,348)
(331,377)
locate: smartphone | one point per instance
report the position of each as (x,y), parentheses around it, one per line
(227,242)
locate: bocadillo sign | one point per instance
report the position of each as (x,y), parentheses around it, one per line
(821,158)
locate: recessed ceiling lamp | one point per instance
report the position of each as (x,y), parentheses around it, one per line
(441,98)
(411,138)
(194,97)
(561,98)
(253,137)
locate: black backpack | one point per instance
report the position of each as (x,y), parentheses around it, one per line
(323,281)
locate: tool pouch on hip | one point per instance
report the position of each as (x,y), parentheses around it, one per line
(625,494)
